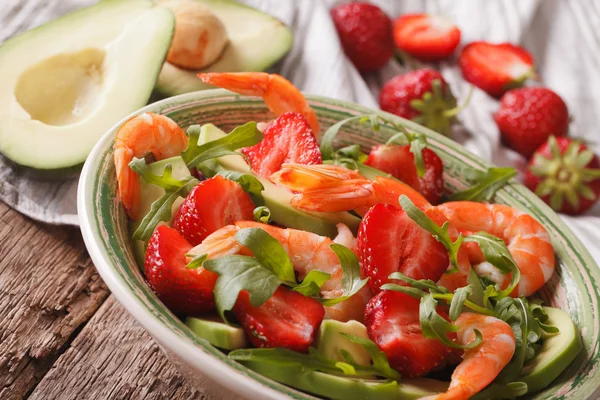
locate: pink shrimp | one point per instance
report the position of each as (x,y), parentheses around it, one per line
(279,94)
(307,251)
(482,364)
(527,241)
(331,188)
(138,136)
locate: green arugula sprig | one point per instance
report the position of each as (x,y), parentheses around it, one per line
(315,361)
(440,233)
(262,214)
(484,184)
(271,267)
(350,155)
(249,183)
(242,136)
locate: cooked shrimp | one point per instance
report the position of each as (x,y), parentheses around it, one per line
(458,278)
(482,364)
(527,241)
(140,135)
(279,94)
(332,188)
(306,250)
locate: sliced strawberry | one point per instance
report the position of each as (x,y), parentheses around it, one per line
(392,321)
(400,163)
(184,291)
(211,205)
(288,139)
(496,68)
(389,241)
(426,37)
(288,319)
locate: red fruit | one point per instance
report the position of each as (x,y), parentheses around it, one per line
(406,96)
(496,68)
(426,37)
(366,34)
(400,163)
(211,205)
(389,241)
(528,116)
(288,319)
(184,291)
(288,139)
(565,174)
(392,321)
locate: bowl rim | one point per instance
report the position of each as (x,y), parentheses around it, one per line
(192,354)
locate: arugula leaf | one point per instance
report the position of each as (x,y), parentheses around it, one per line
(197,260)
(328,137)
(423,284)
(380,361)
(497,391)
(237,273)
(311,285)
(440,233)
(160,211)
(249,183)
(262,214)
(411,291)
(165,181)
(417,146)
(351,282)
(496,253)
(353,152)
(485,185)
(434,326)
(268,252)
(459,298)
(242,136)
(541,317)
(518,317)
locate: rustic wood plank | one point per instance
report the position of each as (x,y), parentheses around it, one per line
(114,358)
(48,290)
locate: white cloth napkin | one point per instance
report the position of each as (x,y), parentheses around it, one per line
(562,36)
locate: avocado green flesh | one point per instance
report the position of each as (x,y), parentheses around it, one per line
(149,193)
(330,341)
(277,199)
(218,333)
(337,387)
(256,41)
(557,352)
(69,81)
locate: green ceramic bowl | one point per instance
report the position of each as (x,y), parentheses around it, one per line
(573,288)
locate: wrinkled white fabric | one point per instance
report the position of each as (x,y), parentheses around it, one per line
(562,35)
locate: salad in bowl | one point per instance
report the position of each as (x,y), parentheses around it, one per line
(344,272)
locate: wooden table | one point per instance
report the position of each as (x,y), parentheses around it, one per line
(62,335)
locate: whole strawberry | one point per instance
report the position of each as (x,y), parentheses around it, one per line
(366,34)
(528,116)
(496,68)
(565,174)
(422,96)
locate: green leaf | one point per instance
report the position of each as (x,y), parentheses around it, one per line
(328,137)
(458,300)
(496,253)
(352,152)
(165,181)
(380,361)
(416,148)
(541,317)
(197,260)
(497,391)
(160,211)
(434,326)
(440,233)
(485,185)
(242,136)
(423,284)
(268,252)
(237,273)
(350,282)
(262,214)
(249,183)
(311,285)
(411,291)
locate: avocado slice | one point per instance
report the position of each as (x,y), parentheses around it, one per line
(557,352)
(277,199)
(338,387)
(149,193)
(256,42)
(330,341)
(67,82)
(218,333)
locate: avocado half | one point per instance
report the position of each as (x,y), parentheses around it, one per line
(66,83)
(256,42)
